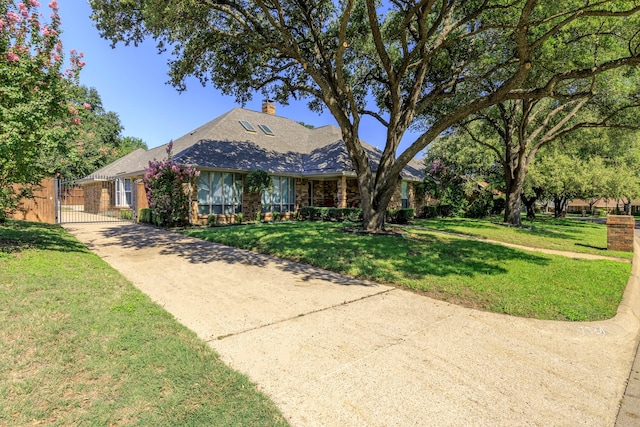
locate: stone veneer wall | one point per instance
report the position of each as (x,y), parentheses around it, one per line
(620,232)
(325,193)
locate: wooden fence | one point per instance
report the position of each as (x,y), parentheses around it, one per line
(42,208)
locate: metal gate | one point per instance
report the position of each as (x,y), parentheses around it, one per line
(95,199)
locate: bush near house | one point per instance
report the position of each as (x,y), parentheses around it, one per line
(144,216)
(126,214)
(400,216)
(313,213)
(429,212)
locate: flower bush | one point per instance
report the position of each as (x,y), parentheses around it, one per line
(167,185)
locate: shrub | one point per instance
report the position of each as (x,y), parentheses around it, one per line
(400,216)
(481,206)
(257,181)
(499,203)
(155,219)
(239,217)
(144,216)
(314,213)
(126,214)
(212,220)
(429,212)
(276,215)
(311,213)
(164,182)
(258,216)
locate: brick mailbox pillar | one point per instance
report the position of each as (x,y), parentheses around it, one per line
(620,229)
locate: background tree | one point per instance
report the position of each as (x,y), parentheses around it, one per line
(392,61)
(36,115)
(98,140)
(516,130)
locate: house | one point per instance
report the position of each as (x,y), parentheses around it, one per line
(579,206)
(308,166)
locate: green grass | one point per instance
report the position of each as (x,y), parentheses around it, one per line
(561,234)
(468,272)
(80,345)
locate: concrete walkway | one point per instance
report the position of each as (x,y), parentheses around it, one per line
(334,351)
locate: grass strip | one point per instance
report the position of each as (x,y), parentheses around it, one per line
(467,272)
(562,234)
(82,346)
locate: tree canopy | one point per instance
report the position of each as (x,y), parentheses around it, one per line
(425,65)
(98,140)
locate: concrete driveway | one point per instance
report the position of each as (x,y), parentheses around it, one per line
(334,351)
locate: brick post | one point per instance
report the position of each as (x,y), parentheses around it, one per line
(620,229)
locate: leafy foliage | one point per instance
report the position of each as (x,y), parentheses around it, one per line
(256,181)
(37,117)
(166,185)
(98,140)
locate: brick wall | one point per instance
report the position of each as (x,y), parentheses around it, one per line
(620,232)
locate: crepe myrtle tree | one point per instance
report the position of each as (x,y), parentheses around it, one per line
(168,193)
(37,114)
(408,64)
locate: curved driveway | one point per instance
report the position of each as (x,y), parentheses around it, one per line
(334,351)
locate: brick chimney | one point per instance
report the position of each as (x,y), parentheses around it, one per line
(269,107)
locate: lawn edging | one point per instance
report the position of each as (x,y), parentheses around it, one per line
(628,314)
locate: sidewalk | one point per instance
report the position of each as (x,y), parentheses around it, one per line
(335,351)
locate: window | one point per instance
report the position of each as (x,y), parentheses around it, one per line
(247,126)
(405,194)
(266,129)
(123,192)
(282,198)
(219,193)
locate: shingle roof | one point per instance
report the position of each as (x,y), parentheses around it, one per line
(223,143)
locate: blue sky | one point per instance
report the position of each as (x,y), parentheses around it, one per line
(132,82)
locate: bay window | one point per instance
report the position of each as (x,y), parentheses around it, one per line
(282,197)
(219,193)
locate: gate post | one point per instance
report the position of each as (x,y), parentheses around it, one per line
(56,199)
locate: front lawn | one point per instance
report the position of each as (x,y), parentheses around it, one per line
(468,272)
(546,232)
(82,346)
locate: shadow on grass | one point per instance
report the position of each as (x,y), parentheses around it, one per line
(599,248)
(140,237)
(17,236)
(324,251)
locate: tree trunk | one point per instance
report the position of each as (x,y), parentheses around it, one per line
(512,209)
(529,203)
(515,183)
(374,210)
(559,206)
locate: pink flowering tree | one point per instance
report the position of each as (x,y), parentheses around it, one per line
(36,116)
(167,185)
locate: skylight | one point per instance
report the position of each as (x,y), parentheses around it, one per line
(247,126)
(266,129)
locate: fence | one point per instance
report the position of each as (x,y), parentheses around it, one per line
(89,199)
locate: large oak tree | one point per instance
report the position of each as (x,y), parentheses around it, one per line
(406,63)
